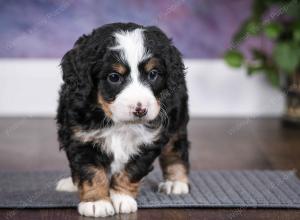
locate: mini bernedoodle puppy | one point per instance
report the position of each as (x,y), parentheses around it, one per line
(123,103)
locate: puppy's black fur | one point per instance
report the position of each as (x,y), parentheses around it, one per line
(83,68)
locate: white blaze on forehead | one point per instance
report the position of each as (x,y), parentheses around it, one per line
(131,46)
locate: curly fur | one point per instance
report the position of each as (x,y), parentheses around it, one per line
(83,67)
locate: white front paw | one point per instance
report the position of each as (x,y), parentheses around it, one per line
(66,184)
(173,187)
(123,203)
(100,208)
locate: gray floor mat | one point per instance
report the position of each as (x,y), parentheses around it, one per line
(222,189)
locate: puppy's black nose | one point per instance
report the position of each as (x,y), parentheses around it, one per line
(139,111)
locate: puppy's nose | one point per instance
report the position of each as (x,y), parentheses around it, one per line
(140,111)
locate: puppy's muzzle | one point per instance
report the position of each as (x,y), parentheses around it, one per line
(140,111)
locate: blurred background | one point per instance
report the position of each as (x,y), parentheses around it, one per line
(36,34)
(242,59)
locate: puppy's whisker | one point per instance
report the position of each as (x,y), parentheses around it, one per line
(105,122)
(118,58)
(164,119)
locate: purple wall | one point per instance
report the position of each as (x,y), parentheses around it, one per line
(48,28)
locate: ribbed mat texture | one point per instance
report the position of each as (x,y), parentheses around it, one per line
(222,189)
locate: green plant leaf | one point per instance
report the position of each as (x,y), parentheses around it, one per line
(287,56)
(251,70)
(293,8)
(273,30)
(241,34)
(259,55)
(296,32)
(234,58)
(248,28)
(273,77)
(253,27)
(258,8)
(296,35)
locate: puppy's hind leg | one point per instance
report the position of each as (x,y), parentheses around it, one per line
(174,163)
(66,185)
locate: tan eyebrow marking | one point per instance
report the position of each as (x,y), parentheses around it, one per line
(152,63)
(119,68)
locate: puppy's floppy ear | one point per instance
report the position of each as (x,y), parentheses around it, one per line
(175,68)
(76,68)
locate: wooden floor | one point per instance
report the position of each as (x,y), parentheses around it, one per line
(30,144)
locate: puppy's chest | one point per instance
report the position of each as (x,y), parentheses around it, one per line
(124,141)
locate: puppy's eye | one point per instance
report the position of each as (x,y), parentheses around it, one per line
(153,74)
(114,78)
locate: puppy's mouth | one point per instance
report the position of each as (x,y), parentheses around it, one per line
(136,121)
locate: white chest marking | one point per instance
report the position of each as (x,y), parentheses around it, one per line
(121,140)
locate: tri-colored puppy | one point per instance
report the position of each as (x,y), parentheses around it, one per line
(123,103)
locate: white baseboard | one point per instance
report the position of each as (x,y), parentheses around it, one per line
(29,87)
(218,90)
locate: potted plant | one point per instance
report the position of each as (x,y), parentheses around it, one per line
(278,23)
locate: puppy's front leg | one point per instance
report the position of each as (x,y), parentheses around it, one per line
(125,184)
(123,193)
(94,194)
